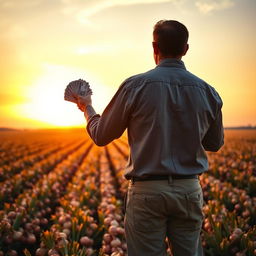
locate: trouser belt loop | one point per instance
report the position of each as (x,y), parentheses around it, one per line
(170,179)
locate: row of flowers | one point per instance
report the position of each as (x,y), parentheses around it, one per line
(236,163)
(11,188)
(23,221)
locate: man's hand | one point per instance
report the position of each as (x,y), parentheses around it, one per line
(83,101)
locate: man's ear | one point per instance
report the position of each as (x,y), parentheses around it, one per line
(186,49)
(155,47)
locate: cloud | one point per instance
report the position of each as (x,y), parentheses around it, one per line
(208,6)
(83,11)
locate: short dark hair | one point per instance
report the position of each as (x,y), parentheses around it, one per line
(171,37)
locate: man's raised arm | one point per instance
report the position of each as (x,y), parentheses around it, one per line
(113,121)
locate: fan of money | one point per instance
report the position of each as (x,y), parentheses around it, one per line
(77,88)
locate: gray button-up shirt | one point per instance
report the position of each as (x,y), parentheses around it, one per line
(172,117)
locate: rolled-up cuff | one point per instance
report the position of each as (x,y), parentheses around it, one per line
(89,122)
(91,117)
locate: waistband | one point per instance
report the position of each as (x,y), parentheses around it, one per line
(165,177)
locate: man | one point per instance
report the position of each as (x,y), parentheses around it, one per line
(172,117)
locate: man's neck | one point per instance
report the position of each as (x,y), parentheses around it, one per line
(160,58)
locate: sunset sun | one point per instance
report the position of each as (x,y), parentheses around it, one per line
(47,102)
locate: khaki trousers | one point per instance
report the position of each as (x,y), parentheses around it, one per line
(156,210)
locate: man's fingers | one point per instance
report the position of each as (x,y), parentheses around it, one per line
(80,98)
(81,107)
(83,98)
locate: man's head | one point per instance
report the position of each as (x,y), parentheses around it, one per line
(170,39)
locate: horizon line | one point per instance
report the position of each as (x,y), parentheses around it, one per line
(3,128)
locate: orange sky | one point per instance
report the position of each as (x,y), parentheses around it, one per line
(46,44)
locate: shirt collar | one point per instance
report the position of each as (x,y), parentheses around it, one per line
(171,62)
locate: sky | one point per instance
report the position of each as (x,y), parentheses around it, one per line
(45,44)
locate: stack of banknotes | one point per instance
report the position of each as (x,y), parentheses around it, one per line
(77,88)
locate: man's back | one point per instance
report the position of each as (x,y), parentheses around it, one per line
(172,117)
(171,114)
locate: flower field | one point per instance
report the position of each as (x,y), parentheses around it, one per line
(62,195)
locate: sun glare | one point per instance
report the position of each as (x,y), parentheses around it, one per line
(47,102)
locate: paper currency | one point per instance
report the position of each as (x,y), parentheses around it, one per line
(76,88)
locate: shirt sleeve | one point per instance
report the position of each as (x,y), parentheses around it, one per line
(214,138)
(114,119)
